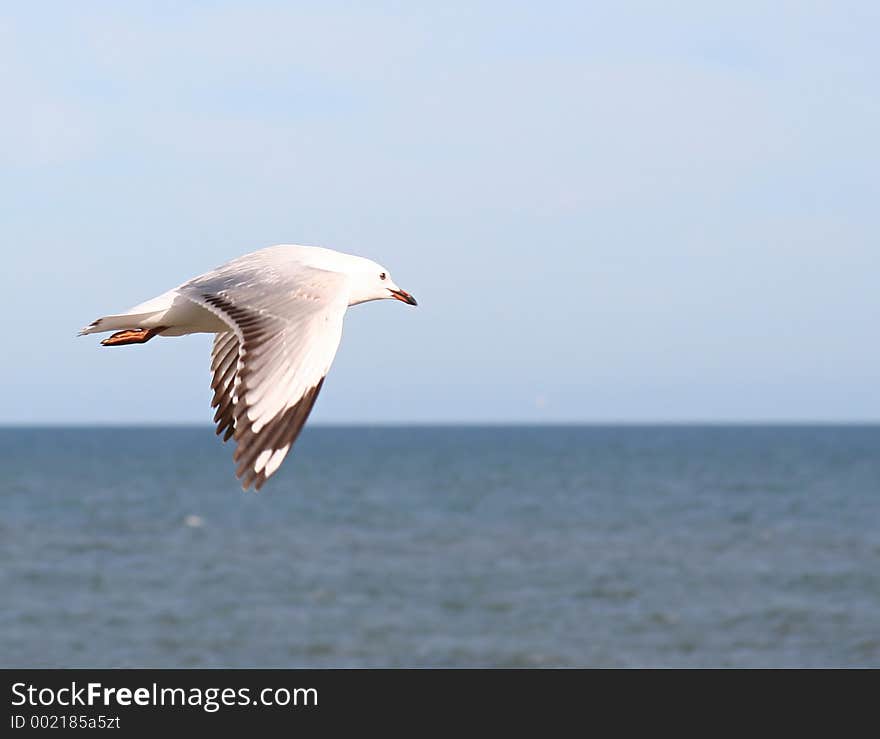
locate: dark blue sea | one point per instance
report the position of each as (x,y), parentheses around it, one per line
(443,547)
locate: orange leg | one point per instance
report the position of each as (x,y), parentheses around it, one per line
(132,336)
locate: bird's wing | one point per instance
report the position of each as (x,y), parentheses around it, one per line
(284,330)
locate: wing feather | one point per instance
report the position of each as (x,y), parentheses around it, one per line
(224,360)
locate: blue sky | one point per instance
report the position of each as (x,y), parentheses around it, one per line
(638,212)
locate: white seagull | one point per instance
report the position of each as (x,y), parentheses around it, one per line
(276,315)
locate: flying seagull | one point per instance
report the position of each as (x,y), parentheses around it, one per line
(276,315)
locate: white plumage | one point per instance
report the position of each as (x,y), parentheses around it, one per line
(277,318)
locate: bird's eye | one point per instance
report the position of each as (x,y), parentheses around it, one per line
(382,276)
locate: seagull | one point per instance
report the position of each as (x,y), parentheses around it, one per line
(276,315)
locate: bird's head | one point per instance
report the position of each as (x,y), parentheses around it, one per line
(371,281)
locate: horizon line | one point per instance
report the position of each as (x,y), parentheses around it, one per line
(458,424)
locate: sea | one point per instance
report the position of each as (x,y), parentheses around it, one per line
(497,546)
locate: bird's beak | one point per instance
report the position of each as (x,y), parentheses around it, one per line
(403,295)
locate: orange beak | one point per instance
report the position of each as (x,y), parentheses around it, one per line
(404,296)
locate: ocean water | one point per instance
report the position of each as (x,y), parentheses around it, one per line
(443,547)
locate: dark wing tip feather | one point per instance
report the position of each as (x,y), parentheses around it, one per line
(224,363)
(280,432)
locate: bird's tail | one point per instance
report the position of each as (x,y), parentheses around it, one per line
(146,314)
(115,323)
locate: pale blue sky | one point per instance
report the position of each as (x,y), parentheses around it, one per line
(642,211)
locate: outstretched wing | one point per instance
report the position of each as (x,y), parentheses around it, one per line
(284,329)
